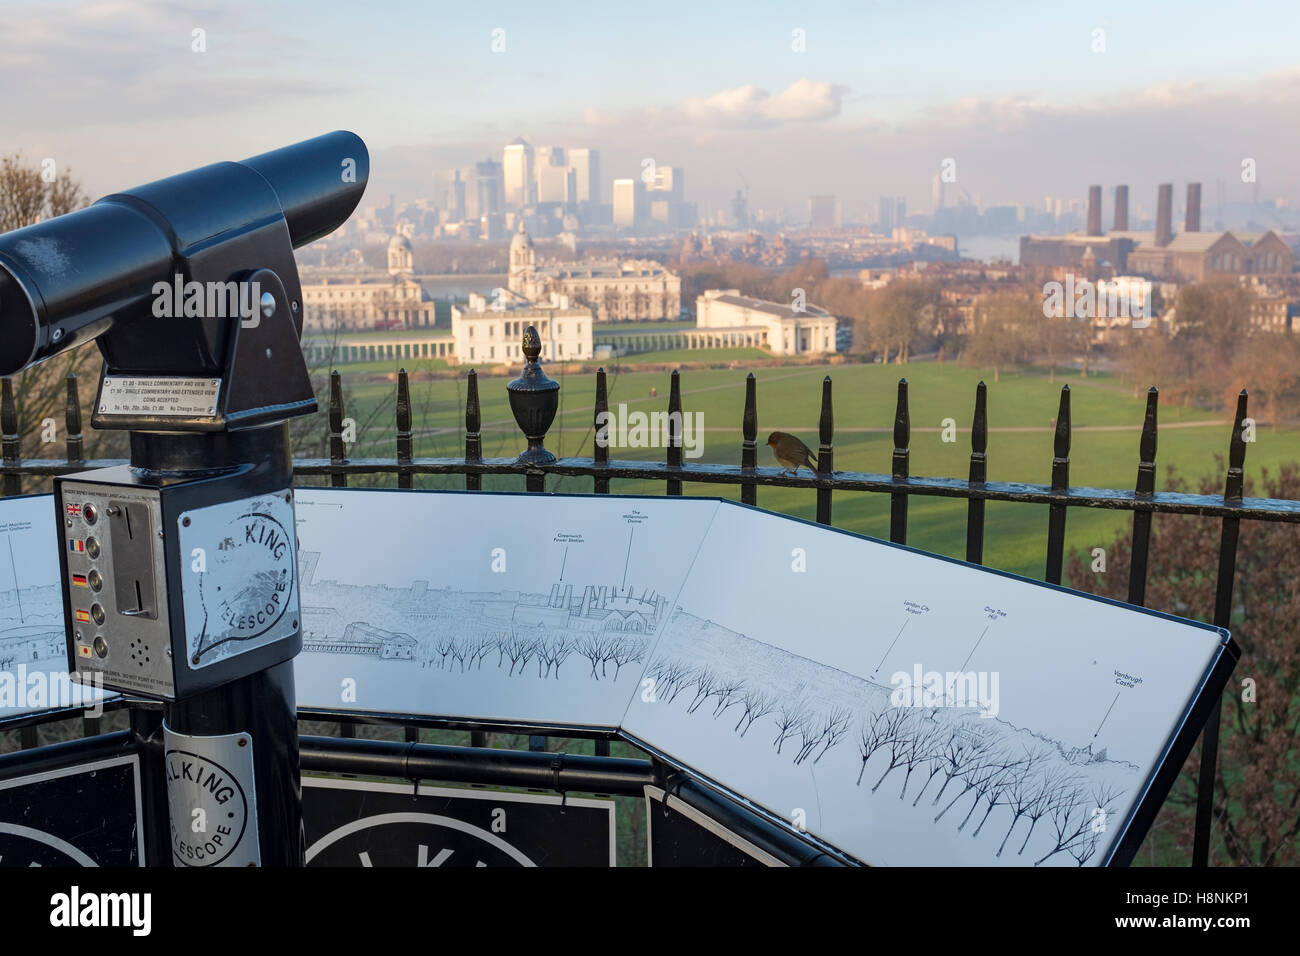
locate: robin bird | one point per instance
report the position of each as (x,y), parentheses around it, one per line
(791,453)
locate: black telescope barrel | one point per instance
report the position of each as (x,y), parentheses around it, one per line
(63,280)
(312,180)
(67,280)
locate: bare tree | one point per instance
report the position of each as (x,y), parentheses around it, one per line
(1001,791)
(705,680)
(557,651)
(727,691)
(442,646)
(595,647)
(899,743)
(1085,845)
(791,716)
(1024,790)
(975,774)
(1069,819)
(756,704)
(878,731)
(1056,781)
(957,755)
(626,650)
(834,727)
(920,750)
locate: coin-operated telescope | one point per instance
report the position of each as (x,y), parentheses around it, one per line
(180,570)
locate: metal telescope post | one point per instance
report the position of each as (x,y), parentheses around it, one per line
(180,571)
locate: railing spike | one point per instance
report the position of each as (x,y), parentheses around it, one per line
(600,423)
(1060,485)
(338,450)
(901,465)
(1233,487)
(978,474)
(749,439)
(473,431)
(825,451)
(72,420)
(1145,487)
(674,430)
(404,438)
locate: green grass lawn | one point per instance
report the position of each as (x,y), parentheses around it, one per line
(1106,416)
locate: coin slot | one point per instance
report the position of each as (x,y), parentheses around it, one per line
(133,559)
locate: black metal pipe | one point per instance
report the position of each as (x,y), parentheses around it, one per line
(564,773)
(147,737)
(1161,502)
(777,841)
(56,756)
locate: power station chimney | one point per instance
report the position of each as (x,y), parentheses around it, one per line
(1094,210)
(1193,221)
(1121,208)
(1165,214)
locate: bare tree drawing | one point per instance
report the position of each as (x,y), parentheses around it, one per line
(1085,845)
(920,749)
(1051,785)
(956,761)
(705,681)
(556,651)
(899,741)
(596,648)
(627,650)
(834,727)
(1024,790)
(998,792)
(442,646)
(756,704)
(976,775)
(727,691)
(1075,821)
(791,717)
(878,731)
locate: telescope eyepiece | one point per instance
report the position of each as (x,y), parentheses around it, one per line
(18,328)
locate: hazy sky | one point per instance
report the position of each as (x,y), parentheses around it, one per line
(882,93)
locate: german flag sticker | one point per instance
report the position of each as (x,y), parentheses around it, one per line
(83,617)
(79,581)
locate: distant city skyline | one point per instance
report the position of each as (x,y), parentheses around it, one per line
(854,101)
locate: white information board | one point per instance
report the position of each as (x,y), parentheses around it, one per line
(906,708)
(508,607)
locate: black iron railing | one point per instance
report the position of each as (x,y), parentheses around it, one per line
(1144,501)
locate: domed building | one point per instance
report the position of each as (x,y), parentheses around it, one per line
(401,257)
(523,261)
(614,289)
(365,300)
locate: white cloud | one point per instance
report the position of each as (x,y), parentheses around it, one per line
(801,102)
